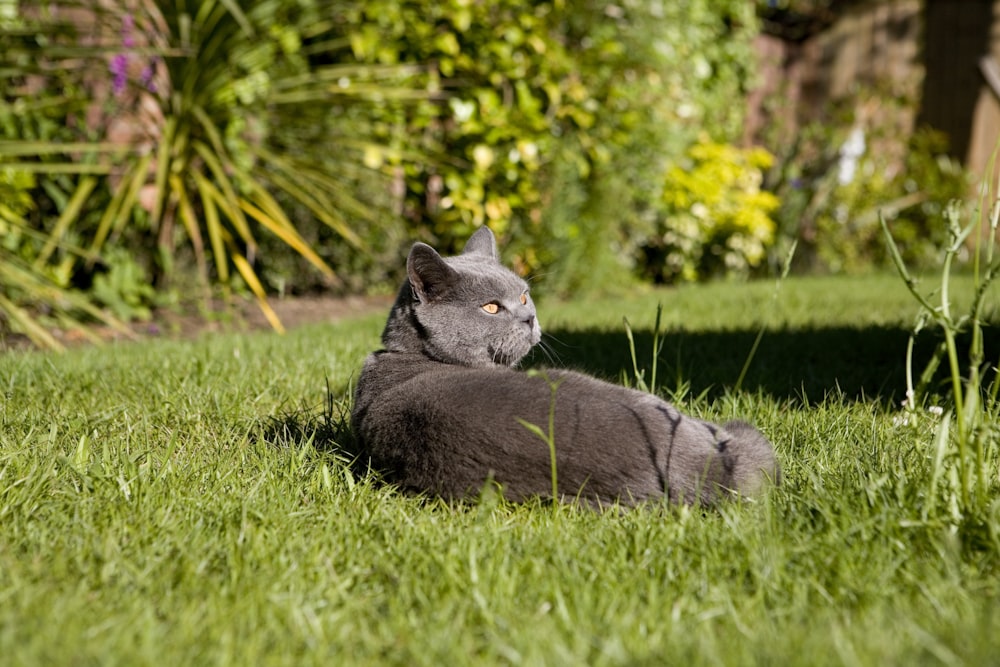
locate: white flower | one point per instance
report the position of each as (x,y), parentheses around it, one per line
(483,156)
(850,153)
(463,110)
(528,149)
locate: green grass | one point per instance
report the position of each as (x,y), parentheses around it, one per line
(187,503)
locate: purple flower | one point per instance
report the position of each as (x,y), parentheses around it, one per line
(128,25)
(119,69)
(119,64)
(146,77)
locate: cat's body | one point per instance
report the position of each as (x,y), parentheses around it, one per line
(441,410)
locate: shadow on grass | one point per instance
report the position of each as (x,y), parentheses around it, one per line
(327,428)
(802,365)
(798,365)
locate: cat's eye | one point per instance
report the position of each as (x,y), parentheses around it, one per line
(524,299)
(491,308)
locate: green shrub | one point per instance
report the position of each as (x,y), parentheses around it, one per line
(848,234)
(717,218)
(124,288)
(831,202)
(557,118)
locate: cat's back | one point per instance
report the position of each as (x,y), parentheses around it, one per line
(384,372)
(392,379)
(410,397)
(388,376)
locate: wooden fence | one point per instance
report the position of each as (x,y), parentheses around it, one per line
(932,57)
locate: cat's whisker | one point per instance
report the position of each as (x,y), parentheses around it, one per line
(549,350)
(549,353)
(532,277)
(547,335)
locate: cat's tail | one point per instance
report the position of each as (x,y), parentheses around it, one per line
(752,466)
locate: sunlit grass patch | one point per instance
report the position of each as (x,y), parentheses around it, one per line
(195,502)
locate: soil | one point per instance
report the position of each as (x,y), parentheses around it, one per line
(240,316)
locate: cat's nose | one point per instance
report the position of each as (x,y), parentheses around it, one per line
(536,331)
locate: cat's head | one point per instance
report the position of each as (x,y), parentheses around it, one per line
(467,310)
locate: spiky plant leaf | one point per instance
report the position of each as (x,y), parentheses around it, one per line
(227,92)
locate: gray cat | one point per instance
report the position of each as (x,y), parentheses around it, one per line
(441,409)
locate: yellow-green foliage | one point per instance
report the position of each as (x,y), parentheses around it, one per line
(493,127)
(716,214)
(911,197)
(14,187)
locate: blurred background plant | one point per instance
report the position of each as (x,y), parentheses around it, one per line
(839,173)
(177,134)
(717,219)
(174,153)
(560,119)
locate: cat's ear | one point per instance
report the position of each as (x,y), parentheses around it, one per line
(429,275)
(482,243)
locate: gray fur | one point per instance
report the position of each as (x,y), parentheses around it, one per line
(440,409)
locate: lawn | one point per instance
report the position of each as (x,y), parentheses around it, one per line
(189,503)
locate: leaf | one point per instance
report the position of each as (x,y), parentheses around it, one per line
(534,428)
(60,168)
(69,215)
(214,227)
(227,199)
(32,329)
(247,272)
(164,152)
(119,209)
(190,222)
(316,201)
(237,13)
(290,236)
